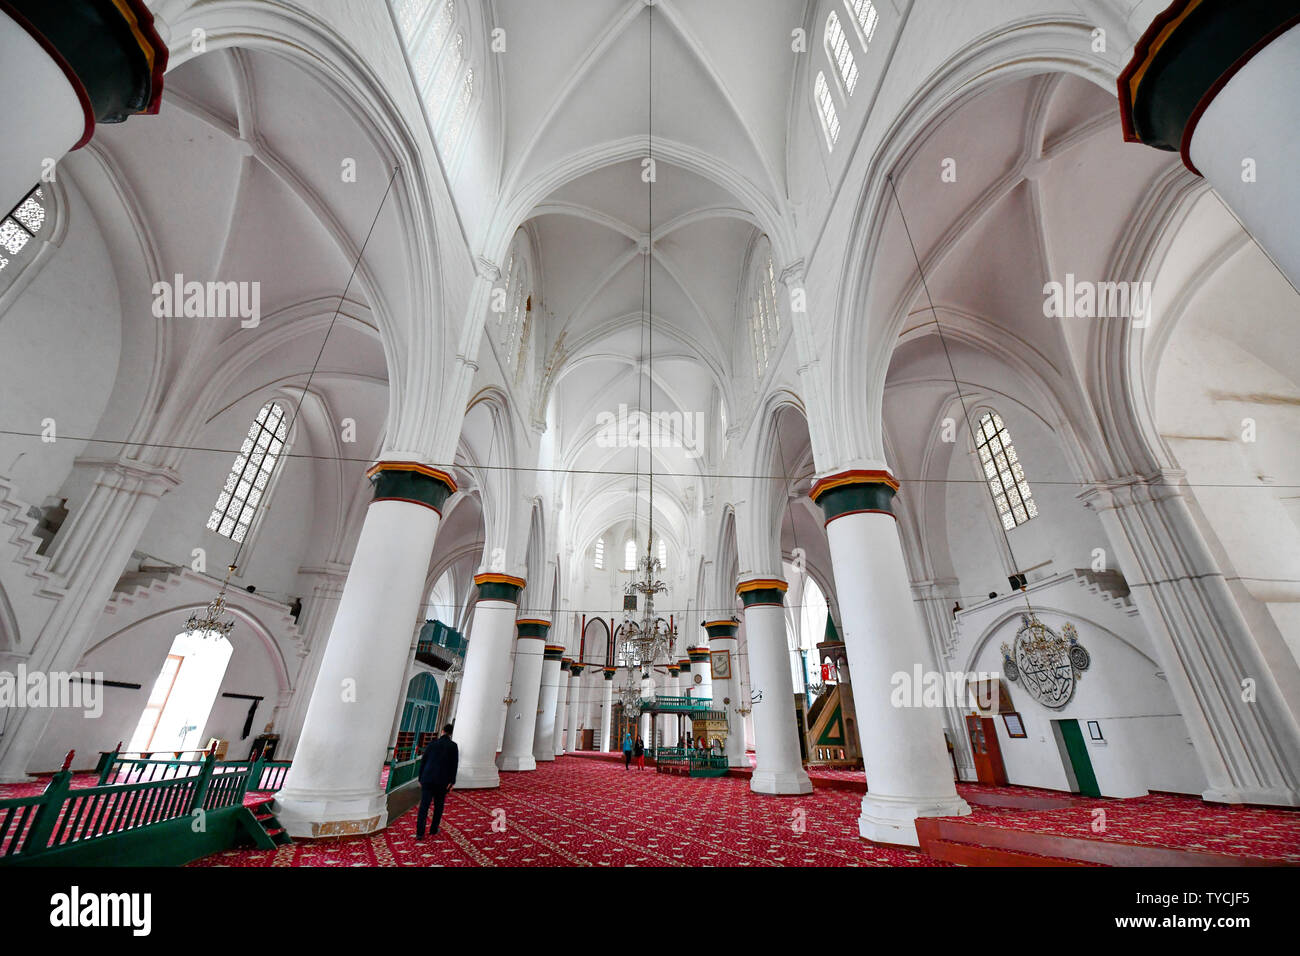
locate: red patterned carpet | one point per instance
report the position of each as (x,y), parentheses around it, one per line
(582,812)
(1160,820)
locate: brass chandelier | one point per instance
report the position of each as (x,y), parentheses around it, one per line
(644,641)
(210,624)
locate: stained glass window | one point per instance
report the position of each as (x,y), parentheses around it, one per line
(246,485)
(20,227)
(1003,472)
(826,109)
(864,11)
(837,46)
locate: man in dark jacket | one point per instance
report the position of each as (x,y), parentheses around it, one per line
(437,775)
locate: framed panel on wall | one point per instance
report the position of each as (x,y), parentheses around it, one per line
(720,661)
(1094,730)
(1015,726)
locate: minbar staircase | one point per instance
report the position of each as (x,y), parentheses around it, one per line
(262,827)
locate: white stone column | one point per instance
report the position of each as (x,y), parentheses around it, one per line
(314,623)
(90,553)
(607,711)
(333,788)
(670,720)
(907,767)
(525,690)
(726,687)
(483,686)
(699,657)
(1248,749)
(562,704)
(73,70)
(575,703)
(779,769)
(1223,93)
(544,734)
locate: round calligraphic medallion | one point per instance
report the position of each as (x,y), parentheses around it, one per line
(1042,658)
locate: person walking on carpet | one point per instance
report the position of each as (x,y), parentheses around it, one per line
(437,776)
(627,751)
(639,752)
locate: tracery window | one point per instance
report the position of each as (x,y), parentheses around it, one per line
(427,47)
(439,63)
(600,554)
(1004,473)
(837,47)
(864,11)
(456,122)
(663,554)
(17,230)
(826,110)
(246,485)
(448,71)
(629,555)
(764,315)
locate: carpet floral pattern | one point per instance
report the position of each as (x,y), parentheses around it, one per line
(594,813)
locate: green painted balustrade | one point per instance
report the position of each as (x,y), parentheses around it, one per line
(142,812)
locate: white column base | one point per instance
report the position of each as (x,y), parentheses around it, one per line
(515,762)
(317,813)
(1270,797)
(738,760)
(543,758)
(477,778)
(780,782)
(893,819)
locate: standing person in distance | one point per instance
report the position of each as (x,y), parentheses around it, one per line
(627,751)
(437,776)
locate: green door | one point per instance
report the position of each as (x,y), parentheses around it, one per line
(1079,759)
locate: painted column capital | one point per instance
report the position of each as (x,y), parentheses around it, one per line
(609,672)
(576,669)
(499,587)
(858,491)
(411,481)
(698,655)
(110,53)
(721,630)
(532,628)
(757,592)
(684,665)
(553,652)
(1185,57)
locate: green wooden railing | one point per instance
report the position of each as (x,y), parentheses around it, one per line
(116,769)
(140,812)
(85,824)
(402,772)
(669,759)
(681,705)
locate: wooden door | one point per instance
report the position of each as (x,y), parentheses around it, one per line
(986,751)
(1080,762)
